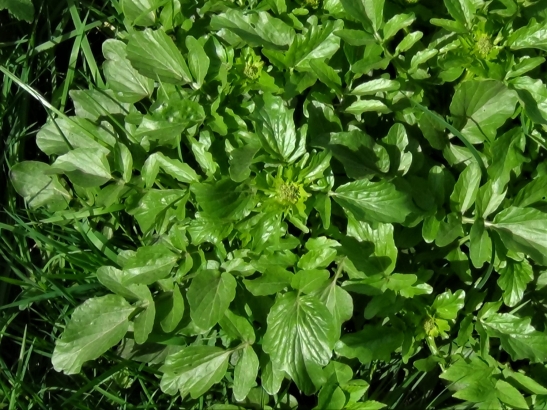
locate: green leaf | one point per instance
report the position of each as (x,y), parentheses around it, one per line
(316,42)
(465,190)
(374,201)
(326,74)
(275,128)
(362,106)
(84,167)
(396,23)
(271,377)
(245,373)
(461,10)
(237,327)
(30,179)
(517,336)
(338,302)
(371,343)
(170,309)
(93,104)
(489,198)
(273,280)
(179,170)
(360,155)
(209,297)
(355,37)
(154,54)
(523,230)
(156,207)
(375,86)
(224,200)
(533,35)
(514,278)
(257,29)
(317,258)
(449,231)
(365,405)
(144,321)
(240,162)
(408,42)
(94,327)
(197,60)
(59,136)
(447,305)
(383,255)
(481,107)
(532,192)
(139,12)
(149,264)
(330,397)
(369,12)
(510,396)
(507,154)
(480,245)
(526,382)
(307,281)
(129,86)
(113,279)
(193,370)
(20,9)
(300,336)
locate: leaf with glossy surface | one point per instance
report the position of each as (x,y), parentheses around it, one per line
(31,181)
(523,230)
(273,280)
(257,29)
(300,335)
(534,35)
(193,370)
(59,136)
(275,127)
(374,201)
(375,86)
(448,304)
(150,264)
(127,83)
(245,373)
(94,327)
(396,23)
(144,321)
(514,278)
(237,327)
(197,60)
(209,296)
(170,309)
(20,9)
(307,281)
(154,54)
(465,190)
(481,107)
(84,167)
(517,336)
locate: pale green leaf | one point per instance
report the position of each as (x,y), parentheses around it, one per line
(245,373)
(209,297)
(154,54)
(84,167)
(374,201)
(30,179)
(514,278)
(300,336)
(94,327)
(193,370)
